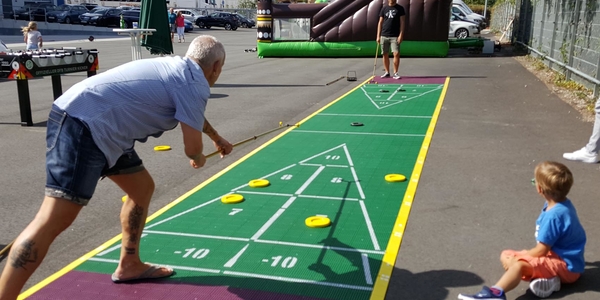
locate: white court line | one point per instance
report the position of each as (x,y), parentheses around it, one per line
(204,270)
(206,236)
(311,165)
(376,116)
(369,225)
(336,166)
(287,279)
(304,161)
(411,98)
(115,247)
(360,190)
(359,133)
(367,268)
(185,212)
(310,180)
(265,177)
(368,96)
(320,247)
(265,193)
(288,203)
(328,198)
(234,259)
(272,220)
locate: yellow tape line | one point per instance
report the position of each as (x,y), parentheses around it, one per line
(391,251)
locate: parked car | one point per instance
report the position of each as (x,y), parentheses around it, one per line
(189,14)
(66,13)
(245,22)
(36,12)
(106,17)
(85,18)
(460,18)
(130,16)
(189,26)
(460,8)
(461,29)
(227,20)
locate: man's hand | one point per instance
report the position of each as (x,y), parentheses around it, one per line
(378,40)
(223,146)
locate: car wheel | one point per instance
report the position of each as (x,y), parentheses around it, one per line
(207,27)
(461,33)
(68,20)
(234,28)
(227,26)
(200,24)
(244,25)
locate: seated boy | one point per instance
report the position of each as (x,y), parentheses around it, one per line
(558,255)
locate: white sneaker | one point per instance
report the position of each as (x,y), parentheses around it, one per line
(543,287)
(396,76)
(582,155)
(385,75)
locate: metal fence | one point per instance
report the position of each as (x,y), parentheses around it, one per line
(565,33)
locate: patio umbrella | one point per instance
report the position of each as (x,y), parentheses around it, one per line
(154,15)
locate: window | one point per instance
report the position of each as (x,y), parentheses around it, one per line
(291,29)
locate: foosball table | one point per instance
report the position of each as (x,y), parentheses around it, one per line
(24,65)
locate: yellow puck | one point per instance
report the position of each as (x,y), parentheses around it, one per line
(317,222)
(232,198)
(162,148)
(124,198)
(258,183)
(394,177)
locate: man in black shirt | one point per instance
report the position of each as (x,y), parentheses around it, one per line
(390,32)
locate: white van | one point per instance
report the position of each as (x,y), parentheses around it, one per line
(462,9)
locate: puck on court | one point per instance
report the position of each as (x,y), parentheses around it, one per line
(258,183)
(395,177)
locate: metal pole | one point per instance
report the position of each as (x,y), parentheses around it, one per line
(485,10)
(574,25)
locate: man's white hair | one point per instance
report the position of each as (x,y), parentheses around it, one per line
(206,50)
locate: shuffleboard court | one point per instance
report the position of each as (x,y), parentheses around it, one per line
(332,166)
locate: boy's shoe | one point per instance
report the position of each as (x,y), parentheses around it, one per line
(396,76)
(484,294)
(385,75)
(582,155)
(544,287)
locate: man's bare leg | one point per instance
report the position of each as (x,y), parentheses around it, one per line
(139,188)
(30,247)
(396,62)
(386,62)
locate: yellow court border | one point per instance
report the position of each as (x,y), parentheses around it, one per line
(391,251)
(108,243)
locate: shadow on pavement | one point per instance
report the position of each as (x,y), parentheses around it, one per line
(428,285)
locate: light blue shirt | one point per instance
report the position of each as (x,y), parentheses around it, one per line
(138,99)
(559,228)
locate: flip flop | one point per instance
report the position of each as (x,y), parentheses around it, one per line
(148,274)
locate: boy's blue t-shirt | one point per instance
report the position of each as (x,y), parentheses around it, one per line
(559,228)
(172,18)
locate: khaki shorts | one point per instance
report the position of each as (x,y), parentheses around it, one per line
(386,42)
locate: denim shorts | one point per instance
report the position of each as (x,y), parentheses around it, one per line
(74,163)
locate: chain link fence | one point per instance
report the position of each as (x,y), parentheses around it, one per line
(564,33)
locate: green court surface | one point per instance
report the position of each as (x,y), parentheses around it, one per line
(324,167)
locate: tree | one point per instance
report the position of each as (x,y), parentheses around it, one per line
(247,4)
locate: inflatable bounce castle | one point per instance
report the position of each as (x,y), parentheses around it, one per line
(348,28)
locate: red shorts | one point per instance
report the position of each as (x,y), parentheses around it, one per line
(548,266)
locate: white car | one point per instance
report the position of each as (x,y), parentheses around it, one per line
(461,29)
(189,14)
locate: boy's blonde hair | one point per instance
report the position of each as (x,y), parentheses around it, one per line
(31,26)
(554,179)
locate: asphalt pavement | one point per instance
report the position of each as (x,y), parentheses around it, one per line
(474,199)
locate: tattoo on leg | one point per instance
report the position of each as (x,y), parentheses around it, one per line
(135,222)
(25,253)
(130,250)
